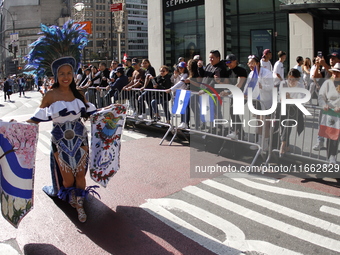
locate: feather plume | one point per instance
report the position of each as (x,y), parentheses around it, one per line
(56,42)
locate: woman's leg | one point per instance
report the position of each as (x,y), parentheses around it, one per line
(66,173)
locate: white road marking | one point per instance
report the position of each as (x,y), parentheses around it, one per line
(265,220)
(133,135)
(330,210)
(328,226)
(234,242)
(287,192)
(28,105)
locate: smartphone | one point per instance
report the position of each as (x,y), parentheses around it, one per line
(320,54)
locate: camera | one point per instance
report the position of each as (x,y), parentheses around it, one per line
(320,54)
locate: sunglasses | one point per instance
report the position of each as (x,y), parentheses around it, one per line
(228,62)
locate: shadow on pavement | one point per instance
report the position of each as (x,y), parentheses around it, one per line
(41,249)
(130,230)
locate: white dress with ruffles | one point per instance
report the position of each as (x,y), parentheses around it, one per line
(69,134)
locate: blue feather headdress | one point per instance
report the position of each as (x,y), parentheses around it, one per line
(57,46)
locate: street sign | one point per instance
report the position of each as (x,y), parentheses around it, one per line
(14,37)
(116,7)
(88,26)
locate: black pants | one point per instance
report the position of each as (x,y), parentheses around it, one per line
(332,147)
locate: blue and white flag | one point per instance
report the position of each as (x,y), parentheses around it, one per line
(17,156)
(207,108)
(181,101)
(253,85)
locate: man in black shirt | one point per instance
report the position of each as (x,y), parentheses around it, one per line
(129,69)
(236,76)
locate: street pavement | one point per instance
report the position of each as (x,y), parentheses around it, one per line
(155,206)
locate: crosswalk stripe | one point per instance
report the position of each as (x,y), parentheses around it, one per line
(330,210)
(133,135)
(28,105)
(154,206)
(287,192)
(42,148)
(328,226)
(44,138)
(265,220)
(13,106)
(234,242)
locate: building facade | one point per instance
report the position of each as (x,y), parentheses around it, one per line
(22,18)
(242,27)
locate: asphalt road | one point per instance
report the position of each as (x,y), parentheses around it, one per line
(155,206)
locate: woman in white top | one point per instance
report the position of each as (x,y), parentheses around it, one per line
(307,64)
(261,81)
(329,100)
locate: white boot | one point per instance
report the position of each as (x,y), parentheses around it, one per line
(80,209)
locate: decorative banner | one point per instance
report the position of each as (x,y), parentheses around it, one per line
(17,157)
(106,130)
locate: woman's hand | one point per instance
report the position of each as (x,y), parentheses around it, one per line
(326,107)
(168,90)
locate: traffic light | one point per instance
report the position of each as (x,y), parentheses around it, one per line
(10,49)
(15,48)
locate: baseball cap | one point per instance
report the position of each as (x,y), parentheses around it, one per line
(197,57)
(182,64)
(230,57)
(334,54)
(120,69)
(336,68)
(265,52)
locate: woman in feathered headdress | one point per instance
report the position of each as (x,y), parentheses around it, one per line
(57,53)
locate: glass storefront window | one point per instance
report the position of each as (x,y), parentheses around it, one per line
(244,16)
(184,34)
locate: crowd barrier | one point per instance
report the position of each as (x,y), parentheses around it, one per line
(143,105)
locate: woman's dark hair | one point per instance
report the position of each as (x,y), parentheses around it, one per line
(80,71)
(193,69)
(294,72)
(74,90)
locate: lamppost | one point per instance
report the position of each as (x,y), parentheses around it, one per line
(13,21)
(13,39)
(79,16)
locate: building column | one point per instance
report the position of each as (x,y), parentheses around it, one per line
(214,26)
(301,36)
(156,38)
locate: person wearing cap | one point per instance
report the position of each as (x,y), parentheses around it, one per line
(334,58)
(329,100)
(183,75)
(116,87)
(236,76)
(113,68)
(265,60)
(261,82)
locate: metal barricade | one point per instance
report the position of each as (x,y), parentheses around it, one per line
(98,96)
(222,123)
(149,106)
(301,149)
